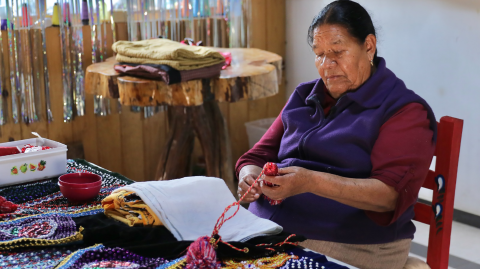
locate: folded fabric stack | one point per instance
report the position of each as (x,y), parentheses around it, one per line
(189,208)
(167,60)
(127,207)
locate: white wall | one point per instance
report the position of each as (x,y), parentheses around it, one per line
(432,45)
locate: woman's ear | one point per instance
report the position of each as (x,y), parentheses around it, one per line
(371,46)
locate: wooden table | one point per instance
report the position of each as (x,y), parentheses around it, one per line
(254,74)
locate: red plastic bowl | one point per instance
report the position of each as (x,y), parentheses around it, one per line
(74,194)
(80,180)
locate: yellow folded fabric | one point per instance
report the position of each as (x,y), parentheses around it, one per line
(128,208)
(168,52)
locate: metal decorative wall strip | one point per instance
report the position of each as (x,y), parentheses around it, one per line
(65,44)
(79,76)
(42,11)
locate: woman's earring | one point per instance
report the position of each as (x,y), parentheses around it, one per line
(371,62)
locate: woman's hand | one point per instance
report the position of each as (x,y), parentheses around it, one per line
(248,174)
(363,193)
(291,181)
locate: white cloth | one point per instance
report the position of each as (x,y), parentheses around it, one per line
(189,207)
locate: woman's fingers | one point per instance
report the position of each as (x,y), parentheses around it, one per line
(287,170)
(249,198)
(244,185)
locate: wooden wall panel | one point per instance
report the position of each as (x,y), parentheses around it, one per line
(154,137)
(89,136)
(9,131)
(58,130)
(121,31)
(275,27)
(259,23)
(109,139)
(89,129)
(236,127)
(37,54)
(109,36)
(133,159)
(257,109)
(276,42)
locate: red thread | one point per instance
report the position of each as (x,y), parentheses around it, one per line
(201,253)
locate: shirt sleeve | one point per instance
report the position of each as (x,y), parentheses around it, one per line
(265,150)
(401,158)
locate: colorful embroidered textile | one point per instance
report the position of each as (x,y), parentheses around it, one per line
(73,257)
(127,207)
(45,258)
(309,260)
(45,196)
(261,263)
(99,256)
(175,264)
(39,230)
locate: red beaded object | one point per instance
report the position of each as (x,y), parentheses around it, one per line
(7,206)
(31,148)
(270,169)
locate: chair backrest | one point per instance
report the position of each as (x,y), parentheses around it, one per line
(442,181)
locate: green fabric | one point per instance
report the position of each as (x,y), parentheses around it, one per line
(167,52)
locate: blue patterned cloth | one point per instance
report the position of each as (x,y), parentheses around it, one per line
(310,260)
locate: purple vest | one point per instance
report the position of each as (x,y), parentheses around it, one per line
(340,144)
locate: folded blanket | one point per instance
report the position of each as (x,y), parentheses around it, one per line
(165,51)
(128,208)
(166,73)
(189,208)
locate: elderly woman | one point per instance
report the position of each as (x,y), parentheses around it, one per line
(352,147)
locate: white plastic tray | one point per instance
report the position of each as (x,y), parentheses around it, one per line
(39,165)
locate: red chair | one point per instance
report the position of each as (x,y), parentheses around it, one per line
(442,181)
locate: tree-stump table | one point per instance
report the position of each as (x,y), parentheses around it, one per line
(254,74)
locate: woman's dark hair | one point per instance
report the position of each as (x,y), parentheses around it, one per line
(348,14)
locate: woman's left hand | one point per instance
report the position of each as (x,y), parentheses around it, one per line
(291,181)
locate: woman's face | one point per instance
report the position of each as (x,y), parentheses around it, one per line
(342,62)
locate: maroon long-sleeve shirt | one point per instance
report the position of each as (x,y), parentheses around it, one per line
(399,144)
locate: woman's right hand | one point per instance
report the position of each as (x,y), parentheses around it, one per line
(248,174)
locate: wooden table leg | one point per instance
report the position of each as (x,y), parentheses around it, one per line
(210,126)
(215,142)
(175,159)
